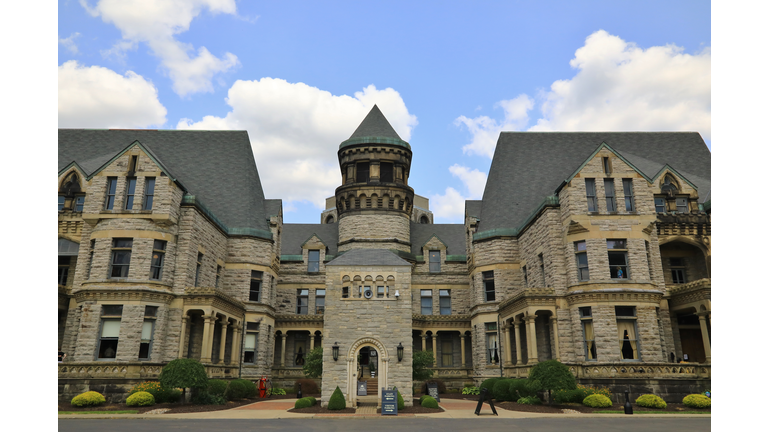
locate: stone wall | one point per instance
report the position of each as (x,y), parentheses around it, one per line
(374,227)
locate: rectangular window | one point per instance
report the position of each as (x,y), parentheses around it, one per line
(607,165)
(617,258)
(626,321)
(582,264)
(345,292)
(445,302)
(147,332)
(149,192)
(610,195)
(121,258)
(251,338)
(158,256)
(362,172)
(313,265)
(63,269)
(320,301)
(588,331)
(302,301)
(90,258)
(387,172)
(629,197)
(541,267)
(426,302)
(61,202)
(681,204)
(198,267)
(79,203)
(218,275)
(255,286)
(109,204)
(132,164)
(380,292)
(678,270)
(109,332)
(661,205)
(434,261)
(446,348)
(488,286)
(130,192)
(492,339)
(591,195)
(525,276)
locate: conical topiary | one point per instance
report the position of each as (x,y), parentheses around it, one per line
(337,401)
(400,400)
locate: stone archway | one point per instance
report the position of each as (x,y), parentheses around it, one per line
(383,368)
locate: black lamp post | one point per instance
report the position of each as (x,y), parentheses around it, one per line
(400,352)
(335,350)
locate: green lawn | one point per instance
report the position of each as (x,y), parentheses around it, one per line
(654,412)
(100,412)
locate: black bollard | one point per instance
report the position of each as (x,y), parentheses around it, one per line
(627,405)
(298,394)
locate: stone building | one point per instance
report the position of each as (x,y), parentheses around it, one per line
(591,248)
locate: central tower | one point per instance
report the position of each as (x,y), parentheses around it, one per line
(374,202)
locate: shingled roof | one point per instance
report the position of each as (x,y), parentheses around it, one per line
(217,167)
(368,257)
(529,166)
(375,125)
(295,235)
(452,235)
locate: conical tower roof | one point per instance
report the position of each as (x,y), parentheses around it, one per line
(375,129)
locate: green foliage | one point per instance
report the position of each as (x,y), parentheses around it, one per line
(501,390)
(337,402)
(235,391)
(250,388)
(311,399)
(422,361)
(440,386)
(400,400)
(160,393)
(303,403)
(204,398)
(140,399)
(90,398)
(184,373)
(651,401)
(522,387)
(489,384)
(217,387)
(695,401)
(470,391)
(313,363)
(308,386)
(569,396)
(277,391)
(553,375)
(597,401)
(428,402)
(529,400)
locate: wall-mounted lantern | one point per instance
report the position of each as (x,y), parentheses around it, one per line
(400,352)
(335,350)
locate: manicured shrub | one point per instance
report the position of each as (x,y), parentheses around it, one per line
(569,396)
(235,391)
(90,398)
(160,393)
(553,376)
(250,388)
(184,373)
(217,387)
(440,386)
(597,401)
(400,400)
(489,383)
(501,390)
(311,399)
(428,402)
(308,386)
(529,400)
(651,401)
(521,387)
(695,401)
(202,397)
(337,401)
(277,391)
(303,403)
(470,391)
(140,399)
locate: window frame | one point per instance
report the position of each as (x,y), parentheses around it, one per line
(591,188)
(585,314)
(111,193)
(610,195)
(313,265)
(446,359)
(64,263)
(251,332)
(130,192)
(62,201)
(320,298)
(126,250)
(391,169)
(79,203)
(445,301)
(302,301)
(257,279)
(543,269)
(434,261)
(489,286)
(426,301)
(359,171)
(492,334)
(627,319)
(616,252)
(108,317)
(218,275)
(158,259)
(678,271)
(198,266)
(581,267)
(660,202)
(629,194)
(684,208)
(149,193)
(152,319)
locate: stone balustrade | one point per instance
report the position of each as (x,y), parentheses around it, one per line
(130,370)
(626,370)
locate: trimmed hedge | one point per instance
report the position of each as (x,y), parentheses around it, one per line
(597,401)
(337,402)
(160,393)
(250,388)
(140,399)
(429,402)
(697,401)
(521,387)
(235,390)
(501,390)
(217,387)
(489,384)
(90,398)
(651,401)
(400,400)
(304,403)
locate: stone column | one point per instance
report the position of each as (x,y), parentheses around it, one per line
(518,347)
(423,340)
(282,350)
(234,358)
(507,344)
(463,351)
(533,354)
(311,341)
(705,335)
(205,356)
(223,343)
(182,341)
(553,321)
(434,349)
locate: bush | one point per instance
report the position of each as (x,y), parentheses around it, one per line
(470,391)
(160,393)
(337,402)
(553,375)
(204,398)
(90,398)
(184,373)
(429,402)
(308,386)
(597,401)
(303,403)
(489,383)
(235,391)
(277,391)
(422,361)
(651,401)
(250,388)
(313,365)
(695,401)
(522,387)
(311,399)
(440,386)
(217,387)
(501,390)
(400,400)
(529,400)
(140,399)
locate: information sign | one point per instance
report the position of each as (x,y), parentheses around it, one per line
(388,402)
(362,388)
(432,390)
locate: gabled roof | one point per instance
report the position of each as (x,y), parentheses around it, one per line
(529,166)
(452,235)
(295,235)
(368,257)
(217,167)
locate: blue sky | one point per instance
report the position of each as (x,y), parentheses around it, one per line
(300,76)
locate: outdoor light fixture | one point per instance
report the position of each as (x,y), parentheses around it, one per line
(335,351)
(400,352)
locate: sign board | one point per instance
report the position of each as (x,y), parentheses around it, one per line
(484,396)
(362,388)
(388,402)
(432,390)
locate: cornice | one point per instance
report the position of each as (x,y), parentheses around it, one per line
(123,295)
(606,296)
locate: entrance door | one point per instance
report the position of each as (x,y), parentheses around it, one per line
(693,345)
(365,356)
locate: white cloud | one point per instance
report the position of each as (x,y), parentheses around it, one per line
(450,205)
(617,87)
(156,22)
(295,131)
(69,43)
(97,97)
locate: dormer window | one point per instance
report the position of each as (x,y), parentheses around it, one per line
(313,263)
(681,204)
(109,203)
(79,203)
(591,195)
(434,261)
(130,192)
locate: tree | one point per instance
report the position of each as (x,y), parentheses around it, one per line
(313,363)
(422,360)
(184,373)
(552,375)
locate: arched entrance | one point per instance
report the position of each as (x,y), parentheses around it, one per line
(370,351)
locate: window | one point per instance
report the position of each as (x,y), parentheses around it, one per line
(362,172)
(158,256)
(541,267)
(121,258)
(617,258)
(79,203)
(629,198)
(380,292)
(607,165)
(582,264)
(197,268)
(63,270)
(590,349)
(681,204)
(446,348)
(110,331)
(90,258)
(678,270)
(434,261)
(109,204)
(387,172)
(591,195)
(149,192)
(488,287)
(61,202)
(251,339)
(255,285)
(313,265)
(525,276)
(302,301)
(218,275)
(626,321)
(610,195)
(345,292)
(426,302)
(445,302)
(320,301)
(661,205)
(492,340)
(147,332)
(130,192)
